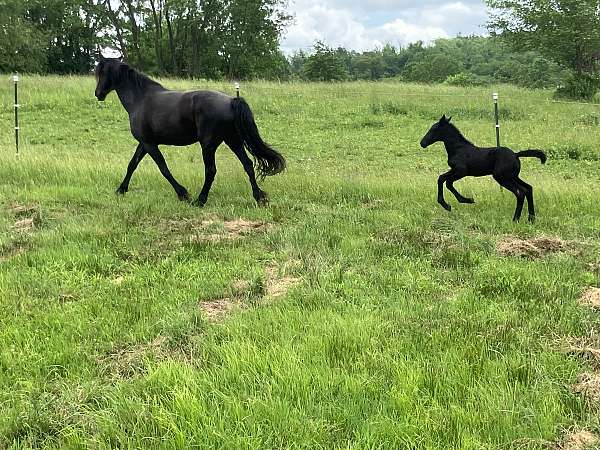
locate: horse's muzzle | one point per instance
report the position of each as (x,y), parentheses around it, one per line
(101,96)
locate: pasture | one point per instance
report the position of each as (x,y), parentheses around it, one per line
(352,312)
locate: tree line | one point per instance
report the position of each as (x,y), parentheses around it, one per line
(464,61)
(189,38)
(534,43)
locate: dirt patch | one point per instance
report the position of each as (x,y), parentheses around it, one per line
(591,297)
(127,361)
(29,216)
(214,230)
(217,310)
(589,386)
(118,280)
(373,204)
(577,440)
(24,225)
(20,210)
(589,349)
(10,252)
(276,285)
(531,248)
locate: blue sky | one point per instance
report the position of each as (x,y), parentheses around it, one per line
(363,25)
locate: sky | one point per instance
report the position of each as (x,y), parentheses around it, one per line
(368,24)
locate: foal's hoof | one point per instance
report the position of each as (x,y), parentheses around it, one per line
(199,202)
(121,191)
(468,201)
(183,196)
(446,206)
(531,219)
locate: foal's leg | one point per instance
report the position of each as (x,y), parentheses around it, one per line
(237,147)
(513,186)
(158,158)
(210,169)
(450,185)
(529,195)
(441,180)
(139,154)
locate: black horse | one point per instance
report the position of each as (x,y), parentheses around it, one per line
(465,159)
(159,116)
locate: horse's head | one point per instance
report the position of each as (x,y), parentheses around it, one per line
(437,132)
(107,76)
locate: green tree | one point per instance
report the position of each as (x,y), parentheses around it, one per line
(324,65)
(566,31)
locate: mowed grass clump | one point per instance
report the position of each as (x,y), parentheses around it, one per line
(353,312)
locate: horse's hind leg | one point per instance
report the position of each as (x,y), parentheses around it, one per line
(513,186)
(450,185)
(529,194)
(209,149)
(237,147)
(158,158)
(139,154)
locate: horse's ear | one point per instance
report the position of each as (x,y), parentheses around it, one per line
(443,119)
(121,58)
(449,119)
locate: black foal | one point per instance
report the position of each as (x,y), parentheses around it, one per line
(467,160)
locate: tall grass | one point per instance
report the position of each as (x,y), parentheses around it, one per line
(407,330)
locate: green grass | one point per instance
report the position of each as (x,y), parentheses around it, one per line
(408,329)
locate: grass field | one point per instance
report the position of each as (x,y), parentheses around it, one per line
(353,312)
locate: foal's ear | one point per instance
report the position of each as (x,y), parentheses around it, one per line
(449,119)
(443,119)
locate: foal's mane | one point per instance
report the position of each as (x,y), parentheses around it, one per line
(457,134)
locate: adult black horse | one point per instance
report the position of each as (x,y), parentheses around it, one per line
(158,116)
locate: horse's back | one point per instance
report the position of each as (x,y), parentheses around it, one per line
(214,104)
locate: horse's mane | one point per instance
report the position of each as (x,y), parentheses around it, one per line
(458,134)
(138,79)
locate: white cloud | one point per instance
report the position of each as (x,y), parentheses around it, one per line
(373,23)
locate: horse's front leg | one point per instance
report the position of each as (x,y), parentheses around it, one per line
(139,154)
(158,158)
(441,180)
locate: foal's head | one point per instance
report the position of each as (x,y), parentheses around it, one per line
(438,132)
(107,74)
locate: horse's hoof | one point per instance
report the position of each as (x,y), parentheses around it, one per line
(447,207)
(183,196)
(263,201)
(120,191)
(199,203)
(468,201)
(531,219)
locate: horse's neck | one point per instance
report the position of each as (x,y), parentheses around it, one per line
(455,142)
(129,97)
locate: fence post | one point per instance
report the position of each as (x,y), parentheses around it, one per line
(237,89)
(17,106)
(496,112)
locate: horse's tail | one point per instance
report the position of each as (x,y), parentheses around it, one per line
(269,161)
(533,154)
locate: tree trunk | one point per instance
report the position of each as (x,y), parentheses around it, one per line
(114,19)
(135,31)
(171,40)
(157,34)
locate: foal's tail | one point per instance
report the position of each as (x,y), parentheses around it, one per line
(533,154)
(269,161)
